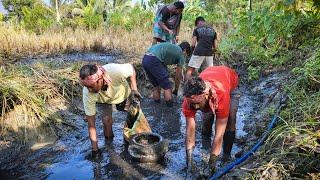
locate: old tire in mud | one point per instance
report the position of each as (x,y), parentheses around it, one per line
(148,147)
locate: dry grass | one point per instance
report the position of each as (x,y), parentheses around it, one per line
(26,91)
(18,43)
(28,88)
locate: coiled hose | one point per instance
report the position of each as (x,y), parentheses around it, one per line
(228,167)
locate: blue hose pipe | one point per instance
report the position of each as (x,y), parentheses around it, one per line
(227,168)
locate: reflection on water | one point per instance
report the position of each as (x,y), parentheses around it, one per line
(115,162)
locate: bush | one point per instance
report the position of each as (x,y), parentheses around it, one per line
(308,76)
(135,17)
(91,18)
(1,17)
(37,19)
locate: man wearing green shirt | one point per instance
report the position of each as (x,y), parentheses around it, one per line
(155,63)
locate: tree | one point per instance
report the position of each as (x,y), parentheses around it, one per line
(14,7)
(60,8)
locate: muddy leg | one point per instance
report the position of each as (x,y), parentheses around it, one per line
(107,121)
(189,73)
(207,122)
(156,94)
(168,97)
(229,135)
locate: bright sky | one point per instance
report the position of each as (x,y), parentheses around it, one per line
(1,7)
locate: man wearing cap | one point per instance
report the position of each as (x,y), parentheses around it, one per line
(213,92)
(155,63)
(167,23)
(204,44)
(108,85)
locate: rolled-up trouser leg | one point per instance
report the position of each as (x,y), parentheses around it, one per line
(229,135)
(207,122)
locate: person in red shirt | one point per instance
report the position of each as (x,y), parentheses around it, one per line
(212,93)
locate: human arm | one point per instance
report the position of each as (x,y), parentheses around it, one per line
(193,43)
(164,27)
(133,80)
(220,127)
(133,84)
(190,139)
(177,79)
(215,44)
(190,133)
(177,33)
(92,131)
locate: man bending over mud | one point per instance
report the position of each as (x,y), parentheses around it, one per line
(213,92)
(155,63)
(108,85)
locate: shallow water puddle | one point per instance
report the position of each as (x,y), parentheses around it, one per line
(115,163)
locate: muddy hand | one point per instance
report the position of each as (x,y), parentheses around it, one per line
(135,94)
(189,160)
(212,163)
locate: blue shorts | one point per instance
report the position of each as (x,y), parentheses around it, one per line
(156,71)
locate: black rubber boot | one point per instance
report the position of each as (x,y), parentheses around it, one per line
(228,140)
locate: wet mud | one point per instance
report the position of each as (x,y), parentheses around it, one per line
(69,157)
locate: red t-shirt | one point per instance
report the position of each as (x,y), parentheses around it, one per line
(223,80)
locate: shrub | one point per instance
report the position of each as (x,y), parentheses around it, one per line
(37,19)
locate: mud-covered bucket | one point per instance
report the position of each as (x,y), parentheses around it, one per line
(148,147)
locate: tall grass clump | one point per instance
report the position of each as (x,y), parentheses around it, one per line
(28,90)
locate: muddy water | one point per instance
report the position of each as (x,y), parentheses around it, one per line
(74,57)
(69,157)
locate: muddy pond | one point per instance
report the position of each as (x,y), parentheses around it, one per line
(69,156)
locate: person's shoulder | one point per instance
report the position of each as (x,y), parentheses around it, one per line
(164,9)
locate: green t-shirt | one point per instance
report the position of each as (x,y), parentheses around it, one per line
(168,53)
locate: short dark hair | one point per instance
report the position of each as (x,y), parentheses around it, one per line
(194,86)
(179,5)
(198,19)
(185,46)
(88,70)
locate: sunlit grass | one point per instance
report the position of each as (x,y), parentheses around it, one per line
(17,43)
(28,89)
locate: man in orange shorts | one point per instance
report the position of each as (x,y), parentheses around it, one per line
(213,92)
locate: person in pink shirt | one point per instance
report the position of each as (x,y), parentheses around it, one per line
(212,93)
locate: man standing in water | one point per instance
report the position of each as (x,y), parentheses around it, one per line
(108,85)
(155,63)
(204,44)
(166,26)
(213,92)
